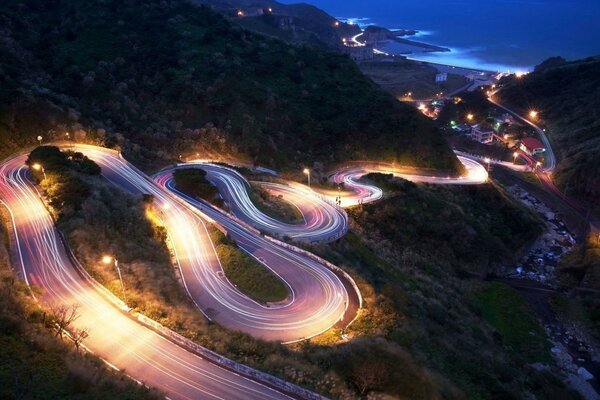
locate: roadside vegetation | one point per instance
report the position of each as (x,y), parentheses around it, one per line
(193,182)
(36,362)
(98,219)
(274,206)
(245,272)
(162,79)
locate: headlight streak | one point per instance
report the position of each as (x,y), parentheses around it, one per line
(113,336)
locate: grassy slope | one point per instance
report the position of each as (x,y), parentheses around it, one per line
(246,273)
(411,251)
(274,206)
(180,79)
(506,310)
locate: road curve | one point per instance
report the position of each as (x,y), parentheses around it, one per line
(323,221)
(318,298)
(550,159)
(121,341)
(360,193)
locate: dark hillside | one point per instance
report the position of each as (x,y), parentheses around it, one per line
(567,95)
(164,78)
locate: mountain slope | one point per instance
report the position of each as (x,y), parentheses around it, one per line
(567,95)
(164,78)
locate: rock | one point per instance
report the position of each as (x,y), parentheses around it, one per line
(584,374)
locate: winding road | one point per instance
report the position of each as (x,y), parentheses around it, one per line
(123,342)
(319,295)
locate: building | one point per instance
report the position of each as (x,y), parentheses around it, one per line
(531,146)
(358,53)
(482,133)
(441,77)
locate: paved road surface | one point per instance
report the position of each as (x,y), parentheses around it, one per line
(118,339)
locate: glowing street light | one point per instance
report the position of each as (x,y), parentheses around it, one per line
(336,23)
(533,114)
(306,172)
(111,260)
(39,167)
(515,155)
(470,117)
(39,139)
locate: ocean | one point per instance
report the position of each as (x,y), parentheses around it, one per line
(502,35)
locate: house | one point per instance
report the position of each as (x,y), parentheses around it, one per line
(483,133)
(441,77)
(531,146)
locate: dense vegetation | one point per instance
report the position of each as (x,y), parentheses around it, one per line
(567,96)
(193,182)
(37,364)
(246,273)
(164,78)
(274,206)
(446,332)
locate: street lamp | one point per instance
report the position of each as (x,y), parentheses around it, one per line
(306,172)
(39,139)
(515,155)
(111,260)
(39,167)
(533,114)
(470,117)
(487,161)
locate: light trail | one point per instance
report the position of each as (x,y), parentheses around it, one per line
(317,298)
(356,192)
(114,336)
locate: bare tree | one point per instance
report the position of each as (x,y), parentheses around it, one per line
(369,375)
(79,335)
(62,316)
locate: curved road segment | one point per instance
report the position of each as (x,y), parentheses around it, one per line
(323,221)
(363,193)
(318,299)
(112,335)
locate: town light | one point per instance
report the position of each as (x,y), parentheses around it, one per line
(39,139)
(107,260)
(515,155)
(470,117)
(533,114)
(336,23)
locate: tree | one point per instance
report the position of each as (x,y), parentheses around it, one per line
(62,316)
(369,375)
(79,335)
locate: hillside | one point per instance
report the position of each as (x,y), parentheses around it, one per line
(567,95)
(161,79)
(299,22)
